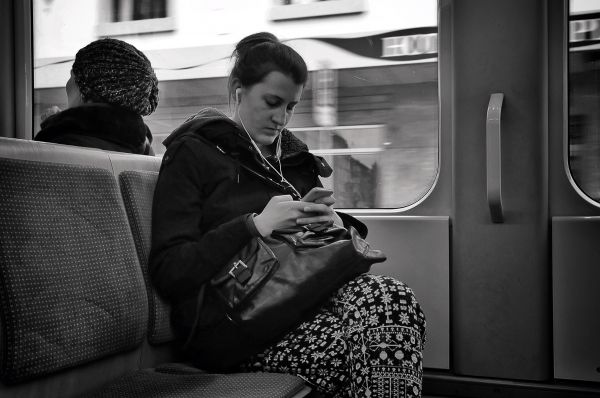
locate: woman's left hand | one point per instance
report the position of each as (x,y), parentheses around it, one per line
(319,213)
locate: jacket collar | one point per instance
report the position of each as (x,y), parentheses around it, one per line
(215,127)
(108,122)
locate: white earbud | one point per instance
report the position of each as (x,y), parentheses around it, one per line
(237,95)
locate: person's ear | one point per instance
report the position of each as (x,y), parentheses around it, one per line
(236,90)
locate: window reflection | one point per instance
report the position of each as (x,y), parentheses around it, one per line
(584,95)
(370,106)
(134,10)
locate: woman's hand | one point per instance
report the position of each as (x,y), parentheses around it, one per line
(322,212)
(281,212)
(319,195)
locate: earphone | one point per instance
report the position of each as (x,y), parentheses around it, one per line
(237,95)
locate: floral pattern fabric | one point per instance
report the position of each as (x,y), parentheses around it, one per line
(366,341)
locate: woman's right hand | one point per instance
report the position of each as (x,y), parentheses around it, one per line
(281,212)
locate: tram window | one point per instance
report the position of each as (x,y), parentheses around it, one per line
(584,95)
(370,106)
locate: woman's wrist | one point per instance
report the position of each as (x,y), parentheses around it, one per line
(251,225)
(260,229)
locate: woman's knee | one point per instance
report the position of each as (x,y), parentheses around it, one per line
(386,296)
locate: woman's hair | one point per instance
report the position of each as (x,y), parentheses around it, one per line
(261,53)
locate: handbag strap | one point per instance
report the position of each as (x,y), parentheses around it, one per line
(311,237)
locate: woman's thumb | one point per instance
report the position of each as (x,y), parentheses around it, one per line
(281,198)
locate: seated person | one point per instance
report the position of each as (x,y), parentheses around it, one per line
(225,180)
(112,85)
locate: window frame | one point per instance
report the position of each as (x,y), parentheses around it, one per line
(16,75)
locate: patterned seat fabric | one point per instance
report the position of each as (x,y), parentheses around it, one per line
(70,287)
(137,188)
(189,383)
(73,295)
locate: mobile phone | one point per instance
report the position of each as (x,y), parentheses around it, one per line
(317,193)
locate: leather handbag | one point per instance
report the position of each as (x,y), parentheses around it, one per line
(273,283)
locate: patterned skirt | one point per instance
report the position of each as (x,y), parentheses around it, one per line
(366,341)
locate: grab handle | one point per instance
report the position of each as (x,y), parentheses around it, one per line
(493,134)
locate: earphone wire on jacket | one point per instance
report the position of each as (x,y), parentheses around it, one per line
(277,155)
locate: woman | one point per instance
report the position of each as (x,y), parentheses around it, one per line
(112,85)
(367,339)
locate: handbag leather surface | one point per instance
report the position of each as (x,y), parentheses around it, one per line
(273,282)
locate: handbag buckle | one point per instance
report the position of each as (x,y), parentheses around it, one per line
(240,272)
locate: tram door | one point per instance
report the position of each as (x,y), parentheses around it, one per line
(500,281)
(486,222)
(490,250)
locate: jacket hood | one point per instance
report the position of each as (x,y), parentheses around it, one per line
(194,125)
(214,126)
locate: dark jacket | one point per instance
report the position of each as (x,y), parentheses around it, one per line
(211,181)
(101,126)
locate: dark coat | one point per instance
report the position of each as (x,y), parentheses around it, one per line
(211,181)
(97,125)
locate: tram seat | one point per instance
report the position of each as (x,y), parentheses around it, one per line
(78,316)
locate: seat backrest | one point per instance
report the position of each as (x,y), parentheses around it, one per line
(78,314)
(137,188)
(74,309)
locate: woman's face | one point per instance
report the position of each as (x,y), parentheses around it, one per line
(73,94)
(265,108)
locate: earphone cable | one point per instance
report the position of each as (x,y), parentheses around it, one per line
(277,155)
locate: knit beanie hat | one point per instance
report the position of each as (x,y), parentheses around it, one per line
(115,72)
